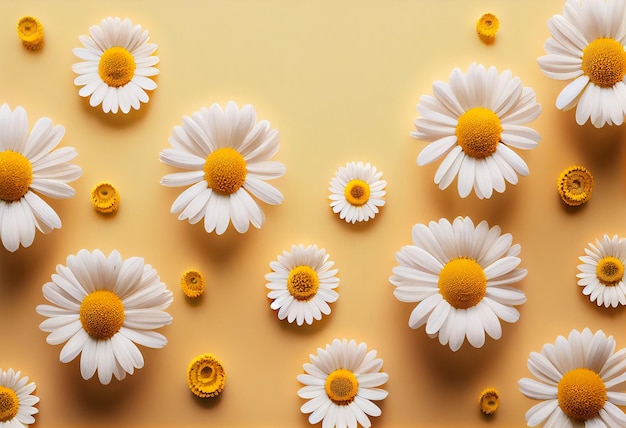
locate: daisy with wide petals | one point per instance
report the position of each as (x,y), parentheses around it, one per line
(17,402)
(341,383)
(226,153)
(461,276)
(117,65)
(29,163)
(103,307)
(580,382)
(588,45)
(474,123)
(602,271)
(356,192)
(302,284)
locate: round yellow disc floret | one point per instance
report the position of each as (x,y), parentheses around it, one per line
(357,192)
(489,401)
(302,283)
(9,404)
(478,132)
(341,386)
(16,175)
(192,284)
(462,283)
(30,32)
(206,376)
(116,67)
(487,26)
(604,61)
(225,170)
(609,271)
(581,394)
(102,314)
(105,198)
(575,185)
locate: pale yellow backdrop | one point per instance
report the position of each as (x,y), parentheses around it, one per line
(340,80)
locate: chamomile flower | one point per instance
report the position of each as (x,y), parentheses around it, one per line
(17,402)
(341,383)
(29,163)
(227,157)
(588,45)
(580,380)
(602,271)
(103,308)
(117,65)
(474,122)
(461,277)
(357,191)
(302,284)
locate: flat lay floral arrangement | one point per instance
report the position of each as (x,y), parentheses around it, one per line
(462,276)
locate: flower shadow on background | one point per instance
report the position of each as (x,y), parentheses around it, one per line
(117,120)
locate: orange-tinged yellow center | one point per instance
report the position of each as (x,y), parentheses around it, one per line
(303,283)
(478,132)
(9,404)
(117,66)
(610,270)
(357,192)
(604,61)
(102,314)
(341,386)
(581,394)
(16,175)
(225,170)
(462,282)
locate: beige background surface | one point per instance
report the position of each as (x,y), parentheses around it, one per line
(340,81)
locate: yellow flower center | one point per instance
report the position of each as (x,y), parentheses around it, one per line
(487,26)
(192,284)
(16,175)
(105,198)
(9,404)
(575,185)
(206,376)
(478,132)
(581,394)
(604,61)
(462,282)
(116,67)
(610,271)
(30,32)
(489,401)
(357,192)
(303,283)
(102,314)
(341,386)
(225,170)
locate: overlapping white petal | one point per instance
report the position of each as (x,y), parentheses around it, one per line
(26,399)
(416,279)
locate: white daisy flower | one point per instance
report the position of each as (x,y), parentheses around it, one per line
(461,276)
(117,65)
(16,400)
(587,45)
(226,154)
(342,382)
(302,284)
(474,121)
(103,308)
(29,164)
(356,192)
(578,382)
(602,271)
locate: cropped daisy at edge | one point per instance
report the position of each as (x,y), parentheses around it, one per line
(226,157)
(473,123)
(17,401)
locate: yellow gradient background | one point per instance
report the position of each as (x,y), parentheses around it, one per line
(340,80)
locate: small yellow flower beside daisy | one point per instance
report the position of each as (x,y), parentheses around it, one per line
(192,284)
(206,376)
(30,32)
(489,400)
(575,185)
(487,26)
(105,198)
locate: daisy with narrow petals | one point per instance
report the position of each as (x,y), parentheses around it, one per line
(602,271)
(29,163)
(461,277)
(17,402)
(474,123)
(580,382)
(341,383)
(103,307)
(226,153)
(117,65)
(357,191)
(302,284)
(588,45)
